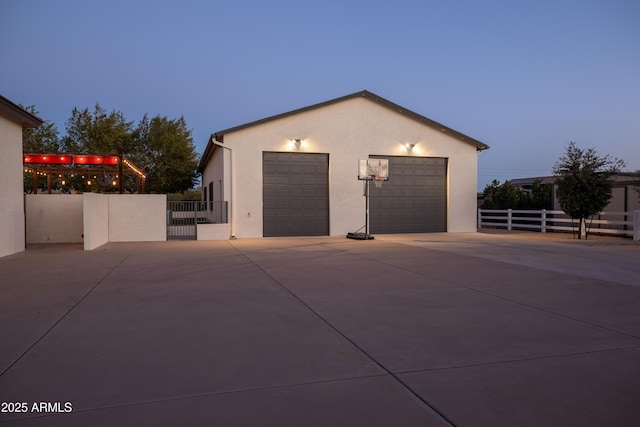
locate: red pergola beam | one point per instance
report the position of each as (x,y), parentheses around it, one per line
(67,159)
(48,159)
(95,160)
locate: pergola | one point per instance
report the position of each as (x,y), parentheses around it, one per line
(107,170)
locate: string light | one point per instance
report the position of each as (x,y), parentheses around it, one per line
(47,165)
(136,170)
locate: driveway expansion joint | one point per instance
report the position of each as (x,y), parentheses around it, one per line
(430,407)
(73,306)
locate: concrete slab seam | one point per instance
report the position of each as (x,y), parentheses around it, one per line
(201,395)
(73,306)
(431,408)
(503,298)
(526,359)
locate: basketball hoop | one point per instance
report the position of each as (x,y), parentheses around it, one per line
(376,170)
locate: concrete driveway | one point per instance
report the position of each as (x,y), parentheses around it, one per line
(471,329)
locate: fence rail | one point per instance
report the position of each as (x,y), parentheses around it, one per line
(617,223)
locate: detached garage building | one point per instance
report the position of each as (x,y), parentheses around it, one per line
(296,174)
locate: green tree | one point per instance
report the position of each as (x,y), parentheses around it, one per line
(164,149)
(43,139)
(585,183)
(500,196)
(541,196)
(97,132)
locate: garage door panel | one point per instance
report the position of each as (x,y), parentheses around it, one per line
(414,198)
(300,182)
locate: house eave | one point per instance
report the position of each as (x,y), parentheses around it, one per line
(18,114)
(219,136)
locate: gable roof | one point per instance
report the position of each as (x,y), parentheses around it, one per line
(16,113)
(219,136)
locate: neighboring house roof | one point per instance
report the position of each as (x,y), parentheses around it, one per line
(529,181)
(219,136)
(18,114)
(621,178)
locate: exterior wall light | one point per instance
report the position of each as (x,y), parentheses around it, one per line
(409,147)
(296,143)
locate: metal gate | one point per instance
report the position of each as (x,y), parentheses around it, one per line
(182,219)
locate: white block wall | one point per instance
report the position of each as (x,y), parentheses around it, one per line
(54,218)
(214,231)
(12,221)
(101,218)
(137,217)
(95,220)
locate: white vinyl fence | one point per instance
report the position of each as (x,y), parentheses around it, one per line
(620,223)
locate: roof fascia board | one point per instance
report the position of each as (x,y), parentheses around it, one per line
(208,152)
(14,111)
(372,97)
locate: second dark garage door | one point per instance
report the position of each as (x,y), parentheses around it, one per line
(414,200)
(295,190)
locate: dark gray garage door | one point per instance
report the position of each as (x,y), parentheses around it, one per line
(414,200)
(295,189)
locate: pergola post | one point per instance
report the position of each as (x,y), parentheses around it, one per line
(120,170)
(35,181)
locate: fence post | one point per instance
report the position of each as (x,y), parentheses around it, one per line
(636,225)
(195,219)
(543,221)
(509,219)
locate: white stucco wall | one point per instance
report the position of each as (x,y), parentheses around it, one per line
(54,218)
(101,218)
(95,220)
(12,238)
(137,217)
(214,231)
(347,131)
(217,174)
(218,171)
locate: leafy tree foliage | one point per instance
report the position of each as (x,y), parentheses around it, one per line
(43,139)
(509,196)
(584,181)
(541,195)
(97,132)
(164,149)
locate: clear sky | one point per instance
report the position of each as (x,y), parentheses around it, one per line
(525,77)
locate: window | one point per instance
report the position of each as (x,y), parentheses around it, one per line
(211,196)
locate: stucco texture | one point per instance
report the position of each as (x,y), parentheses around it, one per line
(12,238)
(348,131)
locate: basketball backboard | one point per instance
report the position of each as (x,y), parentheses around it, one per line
(373,169)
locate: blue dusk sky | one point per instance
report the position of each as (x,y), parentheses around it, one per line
(525,77)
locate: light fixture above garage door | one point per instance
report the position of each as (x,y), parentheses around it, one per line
(296,143)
